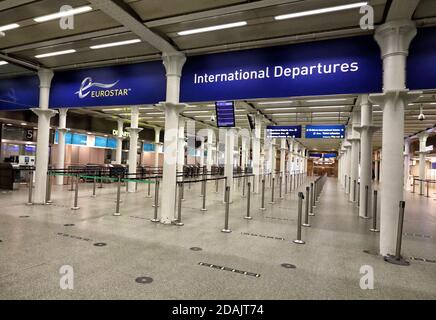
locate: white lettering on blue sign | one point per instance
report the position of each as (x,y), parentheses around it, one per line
(277,72)
(87,84)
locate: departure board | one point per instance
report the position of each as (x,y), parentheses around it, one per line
(225,114)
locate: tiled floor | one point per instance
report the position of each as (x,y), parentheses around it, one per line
(33,249)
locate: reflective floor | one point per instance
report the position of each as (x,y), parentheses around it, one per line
(36,241)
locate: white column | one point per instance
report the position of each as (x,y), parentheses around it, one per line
(62,129)
(173,65)
(376,167)
(119,150)
(422,152)
(347,167)
(256,135)
(181,145)
(156,146)
(133,146)
(366,132)
(42,145)
(209,159)
(394,39)
(244,152)
(355,150)
(201,152)
(228,160)
(406,164)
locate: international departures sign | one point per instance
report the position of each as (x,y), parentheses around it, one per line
(340,66)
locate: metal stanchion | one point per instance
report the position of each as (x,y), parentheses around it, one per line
(94,186)
(413,187)
(312,193)
(286,183)
(76,195)
(29,199)
(421,189)
(101,181)
(226,217)
(183,191)
(354,190)
(156,201)
(300,213)
(358,194)
(398,259)
(204,196)
(272,191)
(262,206)
(179,222)
(306,213)
(349,185)
(428,182)
(72,183)
(48,190)
(117,210)
(366,202)
(345,185)
(280,187)
(148,190)
(248,217)
(216,186)
(243,186)
(374,214)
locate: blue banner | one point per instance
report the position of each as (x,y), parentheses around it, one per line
(19,93)
(421,63)
(130,84)
(341,66)
(325,131)
(283,131)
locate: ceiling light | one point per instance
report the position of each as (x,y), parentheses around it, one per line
(326,112)
(274,102)
(320,11)
(2,63)
(282,114)
(279,109)
(63,13)
(213,28)
(9,124)
(56,53)
(327,107)
(115,44)
(23,124)
(326,100)
(153,113)
(9,27)
(199,111)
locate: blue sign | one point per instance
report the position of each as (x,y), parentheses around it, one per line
(329,155)
(421,63)
(100,142)
(315,155)
(284,131)
(340,66)
(130,84)
(433,165)
(325,132)
(19,93)
(148,147)
(80,139)
(112,143)
(225,114)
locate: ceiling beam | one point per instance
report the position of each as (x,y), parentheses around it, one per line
(402,10)
(123,14)
(8,4)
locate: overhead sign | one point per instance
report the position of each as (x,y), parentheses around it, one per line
(325,132)
(225,114)
(283,131)
(19,93)
(421,62)
(130,84)
(349,65)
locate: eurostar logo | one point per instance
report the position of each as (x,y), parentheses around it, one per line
(87,85)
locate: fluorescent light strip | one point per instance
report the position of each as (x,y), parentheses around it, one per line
(326,100)
(9,27)
(213,28)
(279,109)
(2,63)
(64,13)
(199,111)
(115,44)
(56,53)
(320,11)
(274,102)
(327,107)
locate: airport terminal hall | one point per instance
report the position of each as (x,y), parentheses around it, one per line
(191,151)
